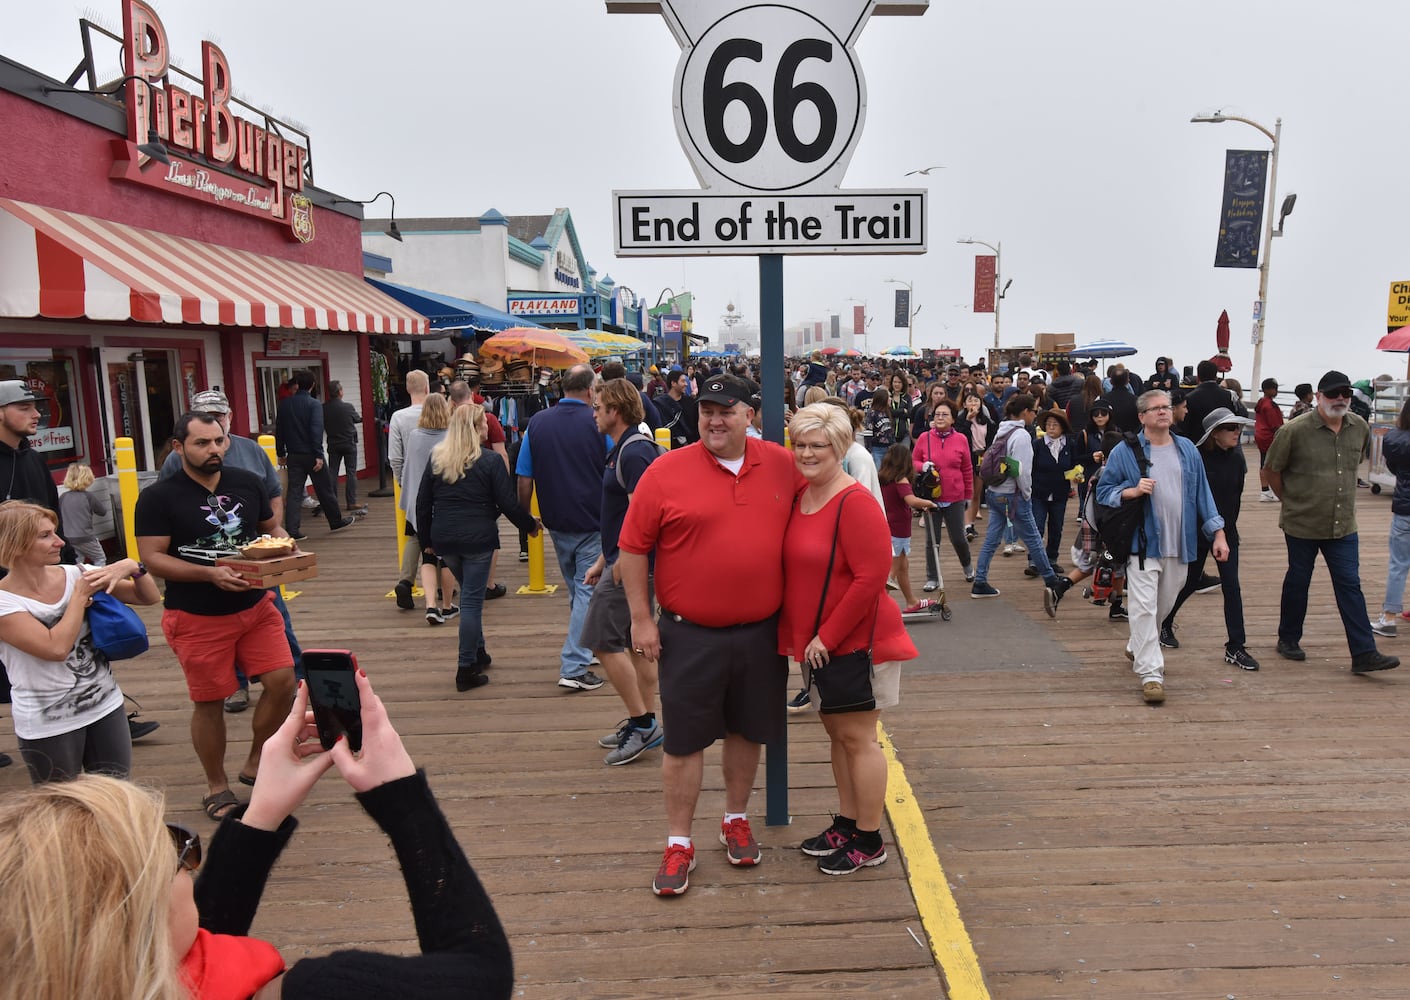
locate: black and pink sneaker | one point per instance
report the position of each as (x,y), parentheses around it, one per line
(852,857)
(832,839)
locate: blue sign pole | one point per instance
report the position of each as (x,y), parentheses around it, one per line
(771,374)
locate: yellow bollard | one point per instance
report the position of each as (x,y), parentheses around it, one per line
(536,584)
(125,458)
(266,441)
(663,438)
(787,439)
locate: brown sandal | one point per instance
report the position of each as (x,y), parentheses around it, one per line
(218,806)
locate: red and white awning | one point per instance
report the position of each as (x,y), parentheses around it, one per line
(64,265)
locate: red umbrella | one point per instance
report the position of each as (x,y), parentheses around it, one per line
(1221,340)
(1396,340)
(831,350)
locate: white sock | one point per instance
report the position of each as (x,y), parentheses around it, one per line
(678,842)
(731,817)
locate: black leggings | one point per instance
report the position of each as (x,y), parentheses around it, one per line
(953,516)
(102,747)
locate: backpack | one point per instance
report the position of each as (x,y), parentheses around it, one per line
(992,470)
(1121,527)
(631,438)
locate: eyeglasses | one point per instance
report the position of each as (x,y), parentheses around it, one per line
(808,446)
(1154,409)
(1345,392)
(1228,427)
(188,847)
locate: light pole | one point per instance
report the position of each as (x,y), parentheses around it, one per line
(1274,137)
(913,313)
(999,290)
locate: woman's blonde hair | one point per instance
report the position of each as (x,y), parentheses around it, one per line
(435,412)
(831,420)
(815,394)
(87,869)
(20,524)
(460,448)
(79,476)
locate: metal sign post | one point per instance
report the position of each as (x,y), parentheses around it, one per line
(769,104)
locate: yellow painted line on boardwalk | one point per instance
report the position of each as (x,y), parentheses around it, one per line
(939,914)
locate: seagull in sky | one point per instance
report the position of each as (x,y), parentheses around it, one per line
(927,170)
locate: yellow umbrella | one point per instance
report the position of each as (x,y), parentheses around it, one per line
(601,344)
(543,348)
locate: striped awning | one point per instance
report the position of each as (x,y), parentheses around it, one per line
(63,265)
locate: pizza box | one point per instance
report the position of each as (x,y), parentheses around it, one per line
(266,573)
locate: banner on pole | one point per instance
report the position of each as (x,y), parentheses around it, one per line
(1241,216)
(986,276)
(859,321)
(903,307)
(836,327)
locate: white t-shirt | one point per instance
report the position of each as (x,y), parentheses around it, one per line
(51,697)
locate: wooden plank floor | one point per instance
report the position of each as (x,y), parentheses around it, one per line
(1248,838)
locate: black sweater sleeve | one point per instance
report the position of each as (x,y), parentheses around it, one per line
(464,950)
(506,498)
(237,865)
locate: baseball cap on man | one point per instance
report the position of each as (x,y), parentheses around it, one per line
(210,401)
(726,390)
(1331,380)
(15,391)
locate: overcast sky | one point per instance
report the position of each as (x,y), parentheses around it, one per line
(1063,129)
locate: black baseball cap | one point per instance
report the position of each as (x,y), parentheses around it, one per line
(726,390)
(1333,380)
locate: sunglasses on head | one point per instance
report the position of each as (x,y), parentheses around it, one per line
(1345,392)
(188,847)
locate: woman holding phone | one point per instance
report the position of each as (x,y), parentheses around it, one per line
(123,917)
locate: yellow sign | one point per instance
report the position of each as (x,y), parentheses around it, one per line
(1398,311)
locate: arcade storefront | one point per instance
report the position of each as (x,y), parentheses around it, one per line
(127,284)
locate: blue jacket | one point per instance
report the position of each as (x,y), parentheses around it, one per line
(1198,510)
(298,426)
(1050,480)
(1395,449)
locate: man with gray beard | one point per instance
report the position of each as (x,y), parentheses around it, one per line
(1312,466)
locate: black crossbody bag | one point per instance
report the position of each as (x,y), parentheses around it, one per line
(844,682)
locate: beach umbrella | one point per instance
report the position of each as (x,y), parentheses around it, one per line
(832,350)
(601,344)
(543,348)
(1103,349)
(851,352)
(901,350)
(1397,341)
(1221,360)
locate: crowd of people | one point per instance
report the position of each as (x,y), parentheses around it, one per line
(1156,470)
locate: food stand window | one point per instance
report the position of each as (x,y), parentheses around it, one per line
(50,376)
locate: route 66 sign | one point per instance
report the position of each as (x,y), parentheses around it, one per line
(769,97)
(769,102)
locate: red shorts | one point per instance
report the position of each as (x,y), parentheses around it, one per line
(208,647)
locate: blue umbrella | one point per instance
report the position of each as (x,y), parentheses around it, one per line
(1103,349)
(902,350)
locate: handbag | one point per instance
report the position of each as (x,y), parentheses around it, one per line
(116,630)
(844,682)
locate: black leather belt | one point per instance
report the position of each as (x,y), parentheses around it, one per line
(718,628)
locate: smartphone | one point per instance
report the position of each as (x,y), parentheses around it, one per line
(332,693)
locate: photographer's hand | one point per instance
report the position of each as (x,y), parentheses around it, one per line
(383,757)
(291,762)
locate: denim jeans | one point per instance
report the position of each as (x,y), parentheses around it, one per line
(1343,558)
(1399,564)
(576,552)
(1229,586)
(472,572)
(878,454)
(1005,507)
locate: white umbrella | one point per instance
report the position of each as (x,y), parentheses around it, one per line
(1103,349)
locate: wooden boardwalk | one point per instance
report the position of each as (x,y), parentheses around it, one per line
(1248,838)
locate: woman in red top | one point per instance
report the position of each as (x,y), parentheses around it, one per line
(836,519)
(947,451)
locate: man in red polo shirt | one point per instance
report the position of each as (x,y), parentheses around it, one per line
(720,676)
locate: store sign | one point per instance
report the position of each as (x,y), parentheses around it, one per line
(1398,309)
(564,306)
(769,105)
(246,167)
(52,439)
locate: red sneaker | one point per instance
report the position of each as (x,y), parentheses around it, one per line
(740,845)
(673,877)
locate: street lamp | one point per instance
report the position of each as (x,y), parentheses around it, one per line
(910,319)
(1274,137)
(999,290)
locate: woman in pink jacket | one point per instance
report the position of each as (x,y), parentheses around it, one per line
(946,451)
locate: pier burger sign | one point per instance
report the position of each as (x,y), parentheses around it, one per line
(247,167)
(769,104)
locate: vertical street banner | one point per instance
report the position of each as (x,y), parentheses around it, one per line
(836,327)
(903,307)
(859,321)
(986,276)
(817,332)
(1241,215)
